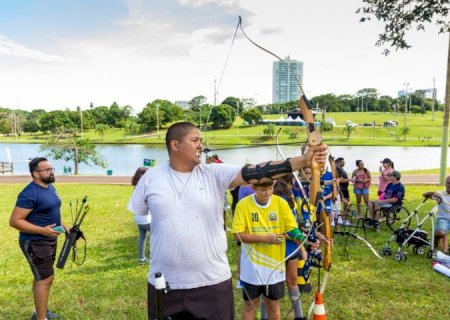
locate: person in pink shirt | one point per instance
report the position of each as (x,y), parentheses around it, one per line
(386,168)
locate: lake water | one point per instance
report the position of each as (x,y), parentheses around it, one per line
(124,159)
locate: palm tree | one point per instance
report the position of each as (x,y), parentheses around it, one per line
(348,130)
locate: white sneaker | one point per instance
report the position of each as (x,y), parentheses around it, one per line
(332,223)
(347,223)
(340,221)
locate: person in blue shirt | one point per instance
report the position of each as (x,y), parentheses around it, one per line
(36,214)
(326,181)
(392,196)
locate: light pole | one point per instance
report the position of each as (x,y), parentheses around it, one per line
(157,118)
(434,97)
(406,105)
(237,116)
(81,123)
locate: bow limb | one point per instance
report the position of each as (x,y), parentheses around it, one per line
(314,139)
(328,236)
(278,145)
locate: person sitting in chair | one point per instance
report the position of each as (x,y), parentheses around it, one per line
(393,196)
(442,228)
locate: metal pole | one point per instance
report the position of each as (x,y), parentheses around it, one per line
(406,106)
(434,98)
(215,93)
(157,118)
(81,124)
(444,144)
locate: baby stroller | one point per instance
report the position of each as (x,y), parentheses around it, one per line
(412,237)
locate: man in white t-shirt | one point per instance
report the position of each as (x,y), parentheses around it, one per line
(188,243)
(442,228)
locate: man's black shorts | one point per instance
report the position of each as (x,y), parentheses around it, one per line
(251,292)
(214,302)
(40,255)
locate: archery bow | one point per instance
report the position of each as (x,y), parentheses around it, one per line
(74,235)
(314,139)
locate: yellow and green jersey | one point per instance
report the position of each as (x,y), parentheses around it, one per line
(258,260)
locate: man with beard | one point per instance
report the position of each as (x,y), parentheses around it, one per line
(36,215)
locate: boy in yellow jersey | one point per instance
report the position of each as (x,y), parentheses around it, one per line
(261,222)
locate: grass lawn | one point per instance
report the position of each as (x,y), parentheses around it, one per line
(111,284)
(423,132)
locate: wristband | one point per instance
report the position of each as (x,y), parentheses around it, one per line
(296,234)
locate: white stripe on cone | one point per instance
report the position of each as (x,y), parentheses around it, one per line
(319,309)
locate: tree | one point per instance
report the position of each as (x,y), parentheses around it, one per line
(31,123)
(385,103)
(348,130)
(200,110)
(222,116)
(162,111)
(67,146)
(126,113)
(269,130)
(328,102)
(348,102)
(368,97)
(235,103)
(196,102)
(115,115)
(252,116)
(325,126)
(400,16)
(405,131)
(5,125)
(101,129)
(55,121)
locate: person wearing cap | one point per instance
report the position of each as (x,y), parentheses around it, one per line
(386,168)
(393,196)
(442,227)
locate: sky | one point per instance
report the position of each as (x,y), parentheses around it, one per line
(63,54)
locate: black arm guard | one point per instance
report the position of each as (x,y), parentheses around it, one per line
(267,171)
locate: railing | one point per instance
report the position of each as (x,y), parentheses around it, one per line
(6,167)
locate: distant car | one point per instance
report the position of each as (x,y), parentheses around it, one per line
(390,123)
(349,123)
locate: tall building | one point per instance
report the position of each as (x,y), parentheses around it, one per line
(183,104)
(284,82)
(424,93)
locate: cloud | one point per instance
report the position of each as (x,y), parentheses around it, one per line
(268,31)
(184,16)
(11,48)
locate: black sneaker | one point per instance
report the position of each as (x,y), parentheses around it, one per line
(52,315)
(367,222)
(49,315)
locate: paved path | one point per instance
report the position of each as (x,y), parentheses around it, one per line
(424,179)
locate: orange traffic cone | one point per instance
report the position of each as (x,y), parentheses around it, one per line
(319,309)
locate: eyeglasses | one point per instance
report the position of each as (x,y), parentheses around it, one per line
(48,170)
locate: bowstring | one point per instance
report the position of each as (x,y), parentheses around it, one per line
(216,89)
(271,53)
